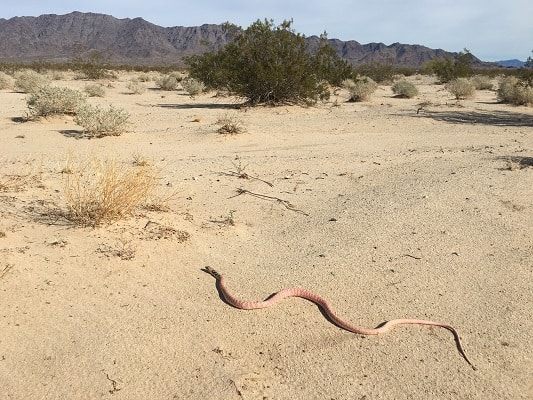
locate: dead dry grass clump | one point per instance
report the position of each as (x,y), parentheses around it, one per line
(99,192)
(230,125)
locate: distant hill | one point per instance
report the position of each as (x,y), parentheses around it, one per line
(511,63)
(55,38)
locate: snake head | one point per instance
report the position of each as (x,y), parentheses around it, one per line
(212,272)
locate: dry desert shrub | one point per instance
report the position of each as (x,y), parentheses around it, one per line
(136,87)
(53,100)
(361,89)
(94,90)
(167,82)
(29,81)
(482,82)
(193,86)
(99,192)
(99,122)
(404,89)
(230,125)
(5,81)
(511,90)
(461,88)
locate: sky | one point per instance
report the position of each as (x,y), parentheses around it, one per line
(492,30)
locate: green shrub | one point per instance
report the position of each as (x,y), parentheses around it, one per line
(5,81)
(448,69)
(405,89)
(361,89)
(94,90)
(514,91)
(52,100)
(482,82)
(461,88)
(99,122)
(268,64)
(167,82)
(136,87)
(192,86)
(29,81)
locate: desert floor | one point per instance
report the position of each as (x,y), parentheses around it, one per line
(385,212)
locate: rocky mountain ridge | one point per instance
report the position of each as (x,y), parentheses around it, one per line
(135,41)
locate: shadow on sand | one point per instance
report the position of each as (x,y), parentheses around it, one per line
(495,118)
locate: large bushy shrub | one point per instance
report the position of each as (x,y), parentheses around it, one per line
(270,64)
(52,100)
(29,81)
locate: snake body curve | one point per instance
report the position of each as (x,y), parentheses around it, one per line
(324,305)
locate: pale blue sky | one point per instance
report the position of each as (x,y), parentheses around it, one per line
(491,29)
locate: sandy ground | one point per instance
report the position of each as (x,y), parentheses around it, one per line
(392,214)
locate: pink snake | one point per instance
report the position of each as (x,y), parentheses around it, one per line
(324,305)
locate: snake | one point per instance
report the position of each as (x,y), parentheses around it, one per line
(328,311)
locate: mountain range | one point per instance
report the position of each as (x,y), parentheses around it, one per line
(135,41)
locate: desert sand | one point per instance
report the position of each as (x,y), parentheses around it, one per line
(385,212)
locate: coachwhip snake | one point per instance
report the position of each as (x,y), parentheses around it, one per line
(324,305)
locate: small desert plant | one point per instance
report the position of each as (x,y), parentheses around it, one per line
(360,90)
(461,88)
(482,82)
(448,69)
(99,192)
(193,86)
(167,82)
(405,89)
(146,77)
(99,122)
(29,81)
(136,87)
(94,90)
(512,90)
(53,100)
(230,125)
(5,81)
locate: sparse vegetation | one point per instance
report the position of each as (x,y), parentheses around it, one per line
(193,86)
(268,64)
(29,81)
(461,88)
(167,82)
(405,89)
(136,87)
(361,89)
(230,125)
(5,81)
(99,191)
(53,100)
(482,82)
(515,91)
(98,122)
(94,90)
(448,69)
